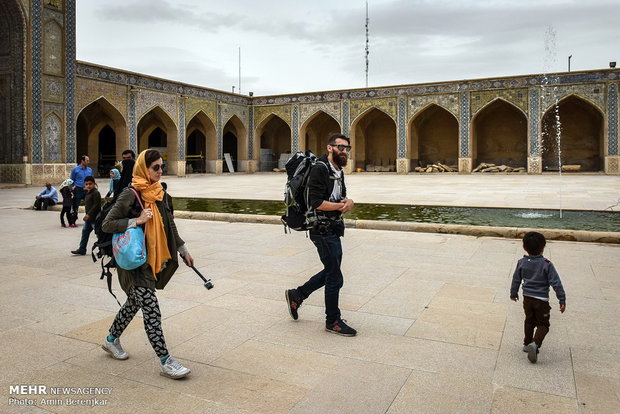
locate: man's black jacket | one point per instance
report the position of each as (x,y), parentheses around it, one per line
(321,185)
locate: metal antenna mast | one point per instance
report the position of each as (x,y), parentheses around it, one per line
(239,69)
(367,20)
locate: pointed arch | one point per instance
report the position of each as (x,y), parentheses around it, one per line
(373,138)
(201,143)
(499,134)
(433,136)
(235,142)
(580,127)
(14,143)
(315,130)
(91,120)
(273,137)
(158,121)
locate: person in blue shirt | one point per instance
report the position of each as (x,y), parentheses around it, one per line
(47,197)
(78,174)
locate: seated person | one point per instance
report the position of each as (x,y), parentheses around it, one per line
(47,197)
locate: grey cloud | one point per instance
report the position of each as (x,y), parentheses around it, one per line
(162,11)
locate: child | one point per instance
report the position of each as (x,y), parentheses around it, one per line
(537,274)
(67,200)
(92,201)
(115,176)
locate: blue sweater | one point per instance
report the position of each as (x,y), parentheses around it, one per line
(537,274)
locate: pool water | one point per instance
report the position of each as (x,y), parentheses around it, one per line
(475,216)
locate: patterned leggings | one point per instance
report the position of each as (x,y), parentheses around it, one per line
(145,299)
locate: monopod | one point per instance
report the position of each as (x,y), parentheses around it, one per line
(208,284)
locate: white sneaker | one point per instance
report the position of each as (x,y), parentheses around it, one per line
(173,369)
(114,348)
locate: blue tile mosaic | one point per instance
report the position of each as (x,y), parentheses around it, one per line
(220,138)
(251,134)
(464,125)
(181,104)
(133,139)
(346,113)
(295,128)
(37,143)
(534,118)
(70,80)
(402,127)
(612,111)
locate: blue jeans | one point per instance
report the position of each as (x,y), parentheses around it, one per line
(330,251)
(88,228)
(78,196)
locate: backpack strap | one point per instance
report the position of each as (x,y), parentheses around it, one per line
(108,275)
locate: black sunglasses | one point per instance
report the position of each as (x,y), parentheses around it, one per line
(342,147)
(156,167)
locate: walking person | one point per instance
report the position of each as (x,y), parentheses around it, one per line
(163,246)
(67,200)
(537,274)
(46,198)
(327,196)
(92,203)
(115,177)
(78,174)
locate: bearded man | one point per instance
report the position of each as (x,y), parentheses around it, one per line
(327,198)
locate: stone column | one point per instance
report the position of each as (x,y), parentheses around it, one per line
(346,119)
(403,165)
(295,129)
(181,144)
(252,165)
(465,156)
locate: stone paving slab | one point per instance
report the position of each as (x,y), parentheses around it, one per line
(437,331)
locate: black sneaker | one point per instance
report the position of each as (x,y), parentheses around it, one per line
(294,301)
(341,328)
(81,253)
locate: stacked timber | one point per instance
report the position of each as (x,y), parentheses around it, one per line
(487,167)
(437,167)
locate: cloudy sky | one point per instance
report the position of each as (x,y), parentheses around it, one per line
(291,46)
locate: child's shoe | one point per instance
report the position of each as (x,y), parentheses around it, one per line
(63,225)
(532,352)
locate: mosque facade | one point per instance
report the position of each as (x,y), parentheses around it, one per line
(53,109)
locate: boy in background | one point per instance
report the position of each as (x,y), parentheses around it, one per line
(537,274)
(92,202)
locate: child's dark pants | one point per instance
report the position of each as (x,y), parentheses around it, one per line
(537,314)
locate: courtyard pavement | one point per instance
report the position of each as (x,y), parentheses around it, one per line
(437,330)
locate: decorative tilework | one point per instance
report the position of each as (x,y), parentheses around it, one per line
(147,100)
(346,118)
(517,97)
(282,111)
(464,125)
(449,102)
(88,91)
(592,93)
(228,111)
(402,127)
(70,80)
(251,133)
(534,118)
(220,138)
(37,144)
(53,138)
(133,127)
(612,114)
(330,108)
(295,128)
(181,130)
(193,106)
(387,105)
(91,71)
(52,48)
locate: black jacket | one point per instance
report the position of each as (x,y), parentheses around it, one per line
(321,184)
(92,204)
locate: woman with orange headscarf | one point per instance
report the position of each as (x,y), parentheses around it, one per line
(162,244)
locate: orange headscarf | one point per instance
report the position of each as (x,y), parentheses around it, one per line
(156,243)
